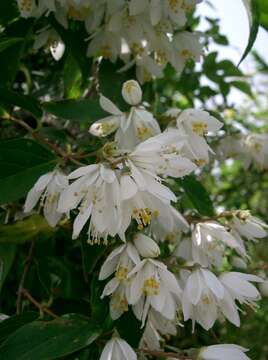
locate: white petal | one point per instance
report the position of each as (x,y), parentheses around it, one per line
(109,106)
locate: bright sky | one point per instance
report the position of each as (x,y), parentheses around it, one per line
(234,24)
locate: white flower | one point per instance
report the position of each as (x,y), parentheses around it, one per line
(195,124)
(161,156)
(49,37)
(264,288)
(186,46)
(248,226)
(146,246)
(121,261)
(201,294)
(209,240)
(131,92)
(96,192)
(118,349)
(257,149)
(156,326)
(49,188)
(223,352)
(132,127)
(152,285)
(239,287)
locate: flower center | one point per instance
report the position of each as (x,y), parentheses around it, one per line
(151,287)
(144,132)
(143,217)
(121,273)
(199,127)
(173,4)
(26,5)
(186,54)
(119,303)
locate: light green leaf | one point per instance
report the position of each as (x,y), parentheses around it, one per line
(24,230)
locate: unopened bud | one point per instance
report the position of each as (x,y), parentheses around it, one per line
(132,92)
(146,246)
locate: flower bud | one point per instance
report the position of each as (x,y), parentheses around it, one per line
(146,246)
(132,92)
(264,288)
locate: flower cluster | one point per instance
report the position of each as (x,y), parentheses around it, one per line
(250,149)
(148,33)
(126,195)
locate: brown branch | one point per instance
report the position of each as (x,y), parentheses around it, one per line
(41,307)
(35,134)
(160,354)
(26,268)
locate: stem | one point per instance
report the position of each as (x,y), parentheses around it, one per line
(27,265)
(38,136)
(160,354)
(41,307)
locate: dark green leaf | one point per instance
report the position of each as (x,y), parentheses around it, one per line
(29,103)
(75,44)
(198,195)
(80,110)
(7,42)
(132,334)
(254,21)
(50,340)
(91,255)
(7,256)
(111,81)
(13,323)
(22,162)
(242,86)
(8,11)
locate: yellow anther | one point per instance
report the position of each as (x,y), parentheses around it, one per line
(121,273)
(186,54)
(151,287)
(199,127)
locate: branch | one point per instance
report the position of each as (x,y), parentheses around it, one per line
(41,307)
(38,136)
(160,354)
(26,268)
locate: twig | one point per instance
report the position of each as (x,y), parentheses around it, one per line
(42,139)
(41,307)
(163,354)
(27,264)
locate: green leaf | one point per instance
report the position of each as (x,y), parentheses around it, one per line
(8,11)
(75,44)
(11,56)
(79,110)
(254,21)
(7,42)
(242,86)
(7,256)
(263,8)
(50,340)
(91,254)
(24,230)
(13,323)
(22,162)
(111,81)
(26,102)
(198,195)
(72,78)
